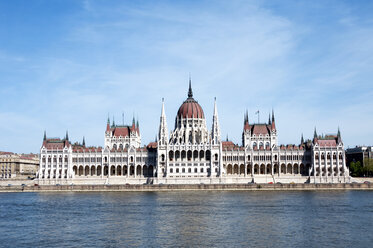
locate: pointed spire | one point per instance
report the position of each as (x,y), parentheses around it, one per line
(215,107)
(108,123)
(190,92)
(113,121)
(133,120)
(227,137)
(83,141)
(302,139)
(215,131)
(162,111)
(339,138)
(269,119)
(273,120)
(67,135)
(163,131)
(315,133)
(45,135)
(137,123)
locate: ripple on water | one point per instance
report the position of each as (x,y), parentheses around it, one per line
(187,219)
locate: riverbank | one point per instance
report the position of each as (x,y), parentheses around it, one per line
(184,187)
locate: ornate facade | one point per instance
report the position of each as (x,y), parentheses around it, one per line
(191,153)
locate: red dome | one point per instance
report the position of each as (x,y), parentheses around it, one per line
(190,109)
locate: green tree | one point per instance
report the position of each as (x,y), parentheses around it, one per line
(356,170)
(368,167)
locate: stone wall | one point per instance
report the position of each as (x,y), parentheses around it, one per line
(182,187)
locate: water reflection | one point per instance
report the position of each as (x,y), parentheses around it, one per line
(187,219)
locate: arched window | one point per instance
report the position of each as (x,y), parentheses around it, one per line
(162,157)
(254,145)
(201,154)
(216,157)
(195,154)
(208,155)
(189,155)
(171,155)
(183,155)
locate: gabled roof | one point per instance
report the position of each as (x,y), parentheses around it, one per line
(56,143)
(124,131)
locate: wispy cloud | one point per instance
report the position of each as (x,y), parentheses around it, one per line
(125,57)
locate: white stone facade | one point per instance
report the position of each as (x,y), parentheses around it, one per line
(191,153)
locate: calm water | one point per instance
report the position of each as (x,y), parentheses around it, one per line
(185,219)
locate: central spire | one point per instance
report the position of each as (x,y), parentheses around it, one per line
(190,92)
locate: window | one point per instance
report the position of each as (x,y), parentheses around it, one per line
(201,170)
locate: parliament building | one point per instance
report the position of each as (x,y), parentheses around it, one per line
(193,154)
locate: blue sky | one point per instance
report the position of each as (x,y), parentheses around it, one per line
(64,65)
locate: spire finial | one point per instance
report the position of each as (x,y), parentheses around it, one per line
(113,121)
(315,133)
(273,115)
(190,92)
(45,135)
(83,141)
(162,111)
(108,118)
(215,107)
(67,135)
(302,140)
(269,119)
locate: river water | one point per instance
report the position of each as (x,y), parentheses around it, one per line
(187,219)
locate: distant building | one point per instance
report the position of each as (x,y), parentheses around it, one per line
(358,154)
(18,165)
(192,154)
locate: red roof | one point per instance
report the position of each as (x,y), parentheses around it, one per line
(231,146)
(190,109)
(152,145)
(262,129)
(327,143)
(56,143)
(124,131)
(121,131)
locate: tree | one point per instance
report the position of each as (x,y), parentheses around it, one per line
(356,170)
(368,166)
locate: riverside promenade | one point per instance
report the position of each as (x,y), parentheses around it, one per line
(185,187)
